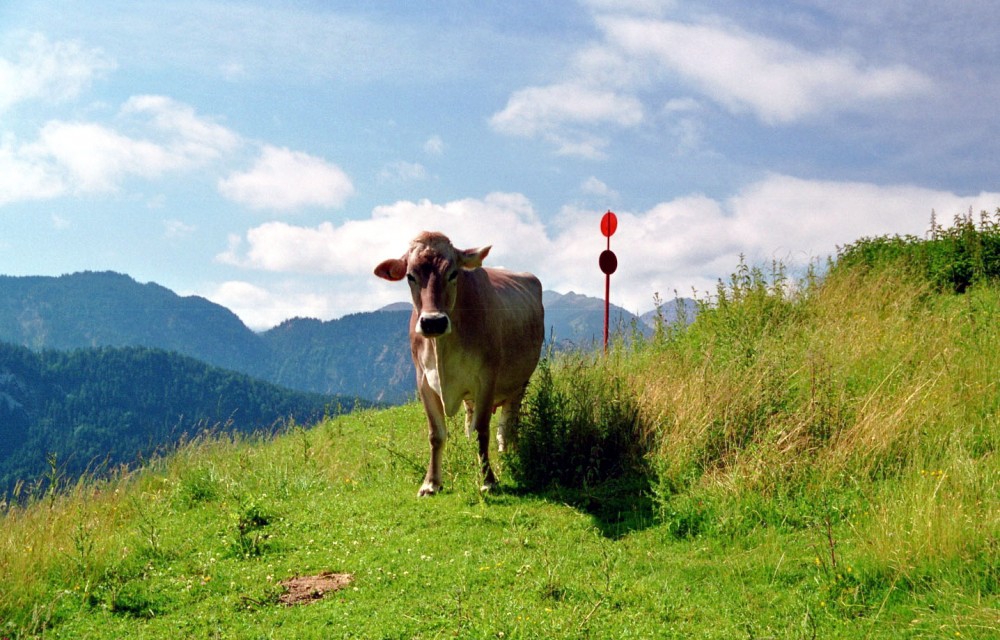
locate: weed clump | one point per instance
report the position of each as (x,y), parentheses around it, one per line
(580,426)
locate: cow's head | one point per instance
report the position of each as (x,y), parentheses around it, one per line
(432,267)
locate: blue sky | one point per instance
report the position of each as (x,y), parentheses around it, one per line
(266,155)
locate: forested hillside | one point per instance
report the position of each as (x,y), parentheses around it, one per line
(107,309)
(66,413)
(364,354)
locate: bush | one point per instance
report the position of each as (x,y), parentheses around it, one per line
(580,426)
(952,259)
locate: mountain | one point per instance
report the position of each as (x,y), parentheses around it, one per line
(363,355)
(578,320)
(575,319)
(92,309)
(103,407)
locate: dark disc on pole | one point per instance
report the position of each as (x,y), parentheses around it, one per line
(609,224)
(608,262)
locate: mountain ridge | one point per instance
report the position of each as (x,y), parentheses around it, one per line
(364,355)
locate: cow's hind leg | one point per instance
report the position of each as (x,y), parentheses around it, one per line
(468,418)
(437,434)
(481,419)
(510,416)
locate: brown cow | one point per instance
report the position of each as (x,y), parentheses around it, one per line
(475,334)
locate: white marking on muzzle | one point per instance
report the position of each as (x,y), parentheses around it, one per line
(433,325)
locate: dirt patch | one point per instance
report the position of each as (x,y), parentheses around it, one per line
(309,589)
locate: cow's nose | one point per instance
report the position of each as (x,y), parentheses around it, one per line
(433,325)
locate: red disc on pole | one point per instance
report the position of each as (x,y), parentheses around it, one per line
(608,261)
(609,224)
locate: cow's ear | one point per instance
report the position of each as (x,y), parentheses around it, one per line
(393,269)
(473,258)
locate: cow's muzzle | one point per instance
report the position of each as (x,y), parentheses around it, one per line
(432,325)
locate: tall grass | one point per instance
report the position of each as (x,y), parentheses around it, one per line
(864,403)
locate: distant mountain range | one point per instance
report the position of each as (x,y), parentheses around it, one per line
(98,370)
(363,355)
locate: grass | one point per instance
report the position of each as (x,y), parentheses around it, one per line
(807,460)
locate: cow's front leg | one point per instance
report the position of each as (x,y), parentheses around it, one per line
(437,432)
(481,420)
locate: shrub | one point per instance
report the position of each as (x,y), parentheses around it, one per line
(580,426)
(952,258)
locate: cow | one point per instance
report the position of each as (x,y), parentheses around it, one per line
(476,335)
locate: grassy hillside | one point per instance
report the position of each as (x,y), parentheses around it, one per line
(807,460)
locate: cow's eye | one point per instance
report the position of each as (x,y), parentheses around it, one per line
(412,279)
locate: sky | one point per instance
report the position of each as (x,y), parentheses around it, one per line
(267,155)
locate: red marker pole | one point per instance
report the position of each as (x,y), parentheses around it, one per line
(608,262)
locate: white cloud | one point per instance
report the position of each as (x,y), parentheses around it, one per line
(595,187)
(51,71)
(434,146)
(261,308)
(402,171)
(557,112)
(89,157)
(25,176)
(192,137)
(639,60)
(285,180)
(687,242)
(174,229)
(94,158)
(778,82)
(693,241)
(356,246)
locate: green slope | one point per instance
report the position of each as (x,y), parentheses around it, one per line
(820,462)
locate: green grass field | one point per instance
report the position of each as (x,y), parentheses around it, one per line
(808,461)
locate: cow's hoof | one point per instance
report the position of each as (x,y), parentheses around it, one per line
(488,485)
(428,489)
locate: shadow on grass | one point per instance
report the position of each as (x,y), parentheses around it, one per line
(618,507)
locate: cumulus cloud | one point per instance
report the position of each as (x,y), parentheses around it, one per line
(778,82)
(93,158)
(356,246)
(642,57)
(89,157)
(25,176)
(284,180)
(262,308)
(694,240)
(690,241)
(51,71)
(558,112)
(192,137)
